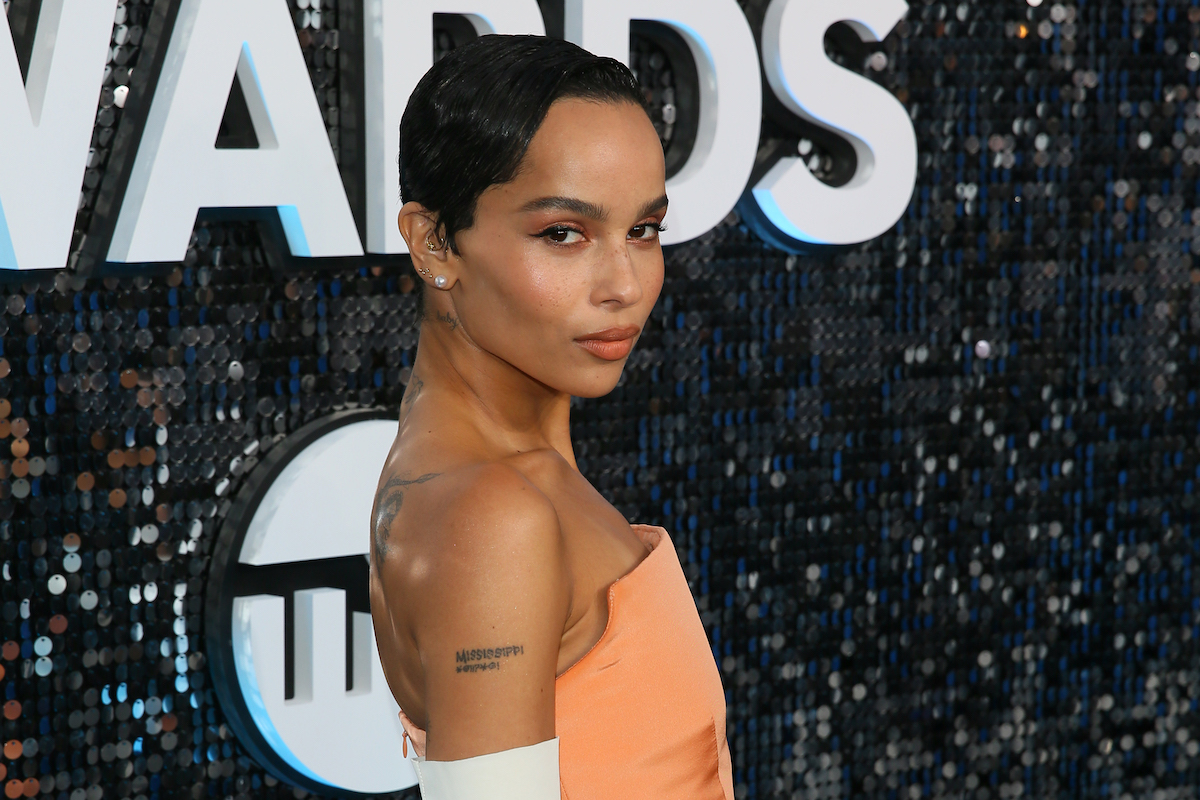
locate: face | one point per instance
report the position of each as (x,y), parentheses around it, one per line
(559,273)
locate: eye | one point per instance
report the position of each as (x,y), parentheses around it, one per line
(647,231)
(561,235)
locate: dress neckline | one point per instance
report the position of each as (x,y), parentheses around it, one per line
(654,537)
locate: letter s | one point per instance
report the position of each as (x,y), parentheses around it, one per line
(814,88)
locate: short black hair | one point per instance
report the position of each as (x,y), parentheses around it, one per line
(472,116)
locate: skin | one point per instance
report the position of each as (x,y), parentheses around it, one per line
(484,534)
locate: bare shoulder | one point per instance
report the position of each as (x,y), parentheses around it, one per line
(492,599)
(491,531)
(395,487)
(470,507)
(494,496)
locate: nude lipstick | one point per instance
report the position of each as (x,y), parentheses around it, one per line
(610,344)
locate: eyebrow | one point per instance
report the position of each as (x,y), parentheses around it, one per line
(572,204)
(653,205)
(586,209)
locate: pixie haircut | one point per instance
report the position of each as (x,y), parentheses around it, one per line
(472,116)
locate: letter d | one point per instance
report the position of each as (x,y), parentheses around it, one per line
(722,45)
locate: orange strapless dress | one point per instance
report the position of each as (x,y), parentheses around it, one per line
(642,714)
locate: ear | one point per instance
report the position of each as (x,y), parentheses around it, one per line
(419,227)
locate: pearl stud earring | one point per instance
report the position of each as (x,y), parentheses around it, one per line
(440,281)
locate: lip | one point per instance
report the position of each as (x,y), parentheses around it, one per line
(610,344)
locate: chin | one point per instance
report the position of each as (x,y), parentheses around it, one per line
(593,386)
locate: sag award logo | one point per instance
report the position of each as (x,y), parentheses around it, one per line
(289,627)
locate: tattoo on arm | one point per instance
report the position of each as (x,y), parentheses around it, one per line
(388,500)
(449,319)
(481,659)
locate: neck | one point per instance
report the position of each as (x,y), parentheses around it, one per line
(510,410)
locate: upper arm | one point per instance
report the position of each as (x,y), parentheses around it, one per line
(492,612)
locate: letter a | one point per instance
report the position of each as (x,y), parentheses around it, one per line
(179,169)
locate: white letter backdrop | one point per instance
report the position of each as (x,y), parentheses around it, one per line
(46,125)
(399,50)
(865,114)
(179,170)
(722,45)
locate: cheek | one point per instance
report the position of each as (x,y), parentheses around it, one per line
(524,287)
(549,289)
(552,285)
(653,276)
(655,283)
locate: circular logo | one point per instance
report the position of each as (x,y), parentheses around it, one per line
(290,640)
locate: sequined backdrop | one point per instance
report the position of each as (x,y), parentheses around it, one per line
(934,494)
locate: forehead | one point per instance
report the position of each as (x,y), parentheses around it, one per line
(587,148)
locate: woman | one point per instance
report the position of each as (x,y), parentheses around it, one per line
(534,640)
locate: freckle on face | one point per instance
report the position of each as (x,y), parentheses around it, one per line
(526,300)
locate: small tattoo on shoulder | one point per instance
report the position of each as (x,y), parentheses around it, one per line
(413,391)
(449,319)
(482,659)
(388,501)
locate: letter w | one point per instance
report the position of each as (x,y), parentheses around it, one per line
(46,129)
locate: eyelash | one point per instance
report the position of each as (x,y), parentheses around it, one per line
(558,229)
(658,226)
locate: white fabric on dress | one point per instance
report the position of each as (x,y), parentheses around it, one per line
(519,773)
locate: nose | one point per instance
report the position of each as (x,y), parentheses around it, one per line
(618,281)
